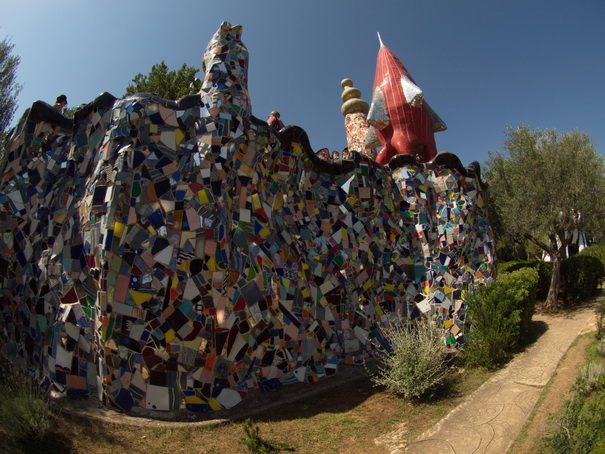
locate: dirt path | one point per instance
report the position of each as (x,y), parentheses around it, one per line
(492,418)
(552,399)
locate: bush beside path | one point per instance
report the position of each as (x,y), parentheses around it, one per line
(490,420)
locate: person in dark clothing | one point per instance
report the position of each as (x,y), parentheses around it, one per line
(60,104)
(274,121)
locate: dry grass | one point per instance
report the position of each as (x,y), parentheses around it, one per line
(347,419)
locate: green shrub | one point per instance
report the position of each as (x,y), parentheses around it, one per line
(527,280)
(601,319)
(544,278)
(500,315)
(509,267)
(417,362)
(255,443)
(579,427)
(601,347)
(580,277)
(544,273)
(596,250)
(592,375)
(25,412)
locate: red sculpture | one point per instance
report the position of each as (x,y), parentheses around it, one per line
(404,122)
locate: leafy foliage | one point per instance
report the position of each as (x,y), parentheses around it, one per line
(500,315)
(581,276)
(601,320)
(256,444)
(417,362)
(545,186)
(596,250)
(544,270)
(510,247)
(9,88)
(166,84)
(544,278)
(579,427)
(514,265)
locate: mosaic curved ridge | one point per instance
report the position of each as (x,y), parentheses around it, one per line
(177,254)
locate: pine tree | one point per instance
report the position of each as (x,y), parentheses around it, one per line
(166,84)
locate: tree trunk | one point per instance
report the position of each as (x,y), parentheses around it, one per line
(552,300)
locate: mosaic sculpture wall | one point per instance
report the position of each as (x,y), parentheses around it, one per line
(172,255)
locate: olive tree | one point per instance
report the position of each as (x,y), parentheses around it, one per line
(544,186)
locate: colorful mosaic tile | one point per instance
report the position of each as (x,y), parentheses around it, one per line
(175,255)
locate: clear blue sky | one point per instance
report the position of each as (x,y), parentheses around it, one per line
(483,65)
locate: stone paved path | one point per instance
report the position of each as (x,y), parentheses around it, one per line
(492,417)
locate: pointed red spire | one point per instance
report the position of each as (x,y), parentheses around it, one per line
(404,123)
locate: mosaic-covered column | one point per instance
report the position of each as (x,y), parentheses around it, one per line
(355,111)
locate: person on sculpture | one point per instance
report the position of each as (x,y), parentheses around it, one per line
(323,153)
(60,104)
(274,121)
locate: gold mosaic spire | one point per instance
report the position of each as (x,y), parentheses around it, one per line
(351,99)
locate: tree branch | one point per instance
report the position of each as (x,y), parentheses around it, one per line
(539,243)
